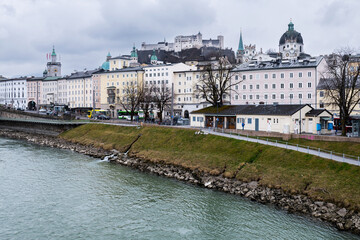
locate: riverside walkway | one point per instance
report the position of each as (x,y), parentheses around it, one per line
(319,152)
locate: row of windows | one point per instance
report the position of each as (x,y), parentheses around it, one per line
(185,99)
(117,83)
(127,75)
(273,96)
(158,82)
(273,76)
(249,120)
(197,119)
(158,74)
(273,86)
(12,83)
(158,69)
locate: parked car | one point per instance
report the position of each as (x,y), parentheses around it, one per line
(102,117)
(183,121)
(20,109)
(42,111)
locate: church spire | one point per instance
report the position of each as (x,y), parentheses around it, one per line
(241,45)
(291,26)
(53,52)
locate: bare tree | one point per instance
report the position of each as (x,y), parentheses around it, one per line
(161,96)
(216,82)
(132,97)
(342,84)
(147,102)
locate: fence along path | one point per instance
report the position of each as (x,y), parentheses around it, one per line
(340,157)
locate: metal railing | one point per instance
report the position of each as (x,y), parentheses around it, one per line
(298,147)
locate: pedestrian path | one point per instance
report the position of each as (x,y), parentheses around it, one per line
(291,147)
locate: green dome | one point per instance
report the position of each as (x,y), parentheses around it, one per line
(153,56)
(53,52)
(134,53)
(106,65)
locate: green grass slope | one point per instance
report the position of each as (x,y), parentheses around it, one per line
(292,171)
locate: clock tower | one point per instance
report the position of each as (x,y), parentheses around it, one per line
(53,67)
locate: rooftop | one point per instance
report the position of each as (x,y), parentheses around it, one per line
(231,110)
(280,64)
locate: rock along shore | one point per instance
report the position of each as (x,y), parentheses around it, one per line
(342,218)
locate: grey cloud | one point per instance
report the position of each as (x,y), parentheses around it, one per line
(83,31)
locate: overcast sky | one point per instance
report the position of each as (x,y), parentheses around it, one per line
(83,31)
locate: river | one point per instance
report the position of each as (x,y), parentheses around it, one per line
(48,193)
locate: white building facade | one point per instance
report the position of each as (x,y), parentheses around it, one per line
(164,75)
(281,82)
(13,92)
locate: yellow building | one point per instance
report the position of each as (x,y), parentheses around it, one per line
(113,85)
(324,101)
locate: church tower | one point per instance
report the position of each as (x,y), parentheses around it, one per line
(240,52)
(291,44)
(134,55)
(53,67)
(153,59)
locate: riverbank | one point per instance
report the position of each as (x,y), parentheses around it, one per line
(232,166)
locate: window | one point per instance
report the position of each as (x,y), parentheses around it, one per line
(194,119)
(309,74)
(257,96)
(265,96)
(291,96)
(300,74)
(244,86)
(244,97)
(273,85)
(321,104)
(251,86)
(282,96)
(282,75)
(236,77)
(273,96)
(257,86)
(249,120)
(250,77)
(300,85)
(250,97)
(179,75)
(282,85)
(300,95)
(309,95)
(266,86)
(291,85)
(244,77)
(273,75)
(321,94)
(236,87)
(266,76)
(236,97)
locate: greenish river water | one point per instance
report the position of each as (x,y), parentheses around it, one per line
(50,193)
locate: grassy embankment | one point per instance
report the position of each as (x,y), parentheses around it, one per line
(349,148)
(275,167)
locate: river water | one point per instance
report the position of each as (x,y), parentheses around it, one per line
(48,193)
